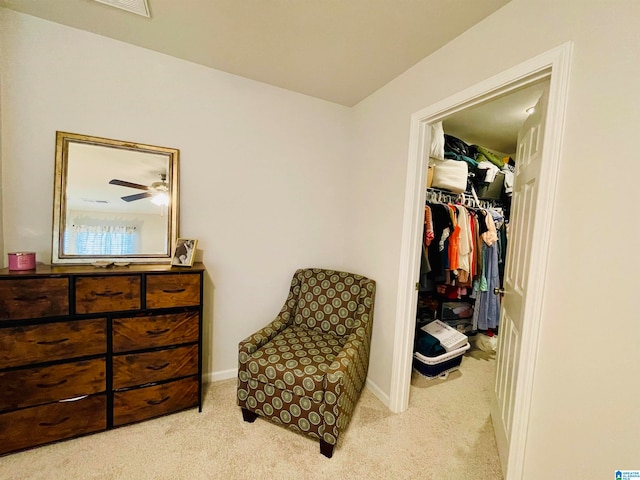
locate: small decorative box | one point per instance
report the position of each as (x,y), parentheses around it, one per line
(22,260)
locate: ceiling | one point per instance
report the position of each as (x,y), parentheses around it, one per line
(495,124)
(336,50)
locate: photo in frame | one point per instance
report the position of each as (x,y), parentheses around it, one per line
(185,252)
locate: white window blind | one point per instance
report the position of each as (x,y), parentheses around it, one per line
(101,240)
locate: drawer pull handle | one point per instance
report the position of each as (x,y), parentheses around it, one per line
(73,399)
(157,402)
(107,294)
(175,290)
(49,385)
(53,424)
(52,342)
(158,367)
(157,332)
(32,298)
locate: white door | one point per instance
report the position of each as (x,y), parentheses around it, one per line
(525,194)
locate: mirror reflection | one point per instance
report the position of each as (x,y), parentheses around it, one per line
(114,200)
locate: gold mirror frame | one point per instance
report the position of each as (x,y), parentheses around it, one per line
(114,159)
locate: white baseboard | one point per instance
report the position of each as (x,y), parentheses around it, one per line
(221,375)
(378,392)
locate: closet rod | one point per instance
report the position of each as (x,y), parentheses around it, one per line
(435,195)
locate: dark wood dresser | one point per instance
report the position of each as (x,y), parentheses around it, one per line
(85,349)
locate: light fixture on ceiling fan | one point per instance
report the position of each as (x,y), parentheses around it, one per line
(161,199)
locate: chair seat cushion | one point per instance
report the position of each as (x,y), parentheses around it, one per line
(296,360)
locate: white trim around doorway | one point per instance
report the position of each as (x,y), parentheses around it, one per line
(554,64)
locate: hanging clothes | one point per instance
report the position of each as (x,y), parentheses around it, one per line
(463,258)
(438,248)
(486,313)
(465,246)
(428,226)
(454,241)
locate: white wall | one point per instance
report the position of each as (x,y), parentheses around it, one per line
(262,169)
(585,417)
(264,188)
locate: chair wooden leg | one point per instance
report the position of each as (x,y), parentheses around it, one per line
(326,449)
(249,416)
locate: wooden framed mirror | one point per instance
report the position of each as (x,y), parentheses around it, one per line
(114,201)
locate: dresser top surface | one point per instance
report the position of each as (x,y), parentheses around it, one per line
(53,270)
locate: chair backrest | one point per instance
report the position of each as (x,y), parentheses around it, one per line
(332,301)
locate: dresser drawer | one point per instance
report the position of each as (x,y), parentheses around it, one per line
(36,386)
(109,293)
(34,298)
(142,403)
(174,290)
(137,369)
(52,341)
(137,333)
(48,423)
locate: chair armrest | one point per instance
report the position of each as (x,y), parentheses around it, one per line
(252,343)
(344,368)
(343,382)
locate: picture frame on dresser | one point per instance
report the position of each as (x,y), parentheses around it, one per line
(184,253)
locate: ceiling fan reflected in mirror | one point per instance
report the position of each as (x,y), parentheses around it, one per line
(158,191)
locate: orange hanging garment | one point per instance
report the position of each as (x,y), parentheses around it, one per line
(454,238)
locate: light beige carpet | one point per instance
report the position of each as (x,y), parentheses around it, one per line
(445,434)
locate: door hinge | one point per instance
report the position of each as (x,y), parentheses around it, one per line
(417,286)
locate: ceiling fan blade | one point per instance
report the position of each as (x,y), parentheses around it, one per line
(137,196)
(124,183)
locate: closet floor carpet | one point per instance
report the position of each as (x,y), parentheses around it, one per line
(445,434)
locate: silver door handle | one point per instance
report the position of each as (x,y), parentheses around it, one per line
(498,291)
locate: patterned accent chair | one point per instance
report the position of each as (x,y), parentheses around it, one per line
(306,369)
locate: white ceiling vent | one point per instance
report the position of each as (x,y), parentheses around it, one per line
(138,7)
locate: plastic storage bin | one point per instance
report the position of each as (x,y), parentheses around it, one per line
(441,365)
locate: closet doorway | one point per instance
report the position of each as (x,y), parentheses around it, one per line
(553,66)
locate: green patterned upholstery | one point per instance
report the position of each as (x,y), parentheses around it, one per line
(307,367)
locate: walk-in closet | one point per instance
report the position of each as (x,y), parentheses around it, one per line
(465,240)
(464,245)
